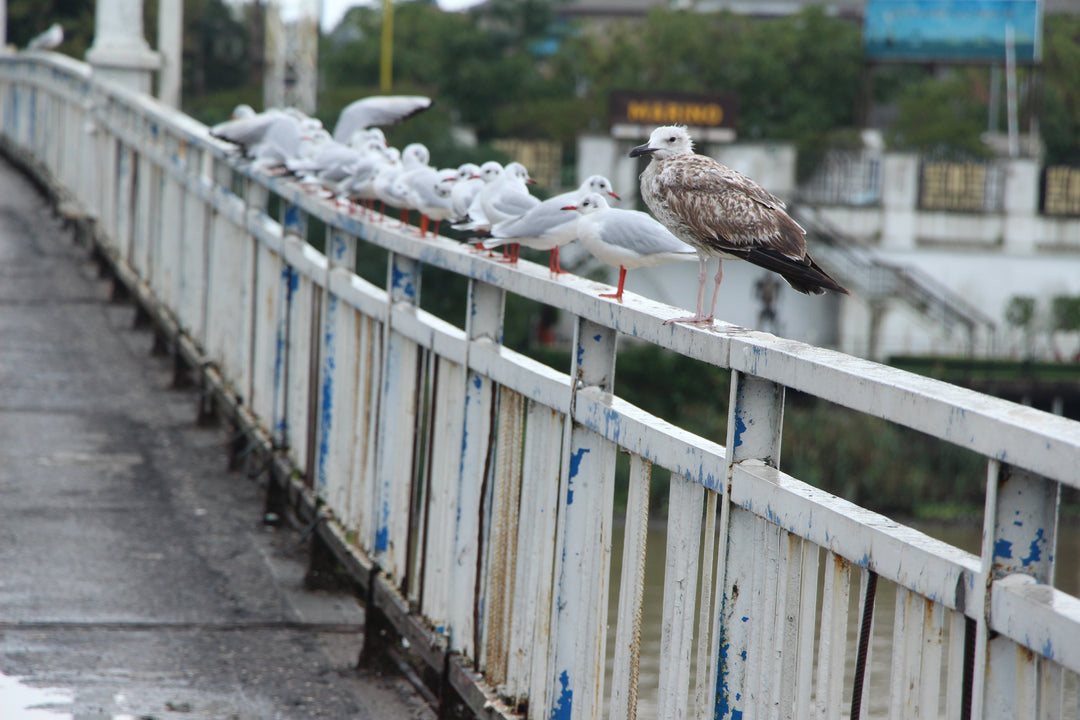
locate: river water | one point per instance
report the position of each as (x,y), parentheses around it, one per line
(966,536)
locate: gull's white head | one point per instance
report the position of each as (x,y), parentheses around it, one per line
(665,143)
(589,204)
(599,184)
(490,171)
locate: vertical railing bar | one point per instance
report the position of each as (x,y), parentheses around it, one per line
(785,626)
(702,679)
(898,675)
(811,556)
(627,655)
(425,517)
(417,484)
(762,584)
(680,585)
(954,686)
(913,650)
(502,546)
(541,475)
(930,672)
(833,640)
(1051,689)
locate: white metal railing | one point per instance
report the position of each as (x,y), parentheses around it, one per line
(480,482)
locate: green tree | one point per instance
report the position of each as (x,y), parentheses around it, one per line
(1061,90)
(941,114)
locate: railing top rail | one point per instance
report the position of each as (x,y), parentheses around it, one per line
(1011,433)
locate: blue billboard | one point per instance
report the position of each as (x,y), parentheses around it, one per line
(951,30)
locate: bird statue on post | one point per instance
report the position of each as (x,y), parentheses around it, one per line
(723,214)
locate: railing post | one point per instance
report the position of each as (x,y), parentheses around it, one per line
(583,552)
(1019,536)
(484,323)
(754,430)
(293,222)
(397,420)
(340,253)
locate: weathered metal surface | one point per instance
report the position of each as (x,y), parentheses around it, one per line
(680,592)
(526,676)
(627,652)
(582,555)
(415,434)
(502,546)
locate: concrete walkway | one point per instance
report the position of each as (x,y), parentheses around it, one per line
(136,577)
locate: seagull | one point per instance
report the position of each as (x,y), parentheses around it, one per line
(50,39)
(466,188)
(428,192)
(549,224)
(377,110)
(723,214)
(625,238)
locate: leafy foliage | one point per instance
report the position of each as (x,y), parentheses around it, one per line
(941,115)
(1061,91)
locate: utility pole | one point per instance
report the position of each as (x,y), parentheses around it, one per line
(386,59)
(292,54)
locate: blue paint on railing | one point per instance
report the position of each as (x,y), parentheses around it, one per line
(565,702)
(326,413)
(575,467)
(722,709)
(1035,549)
(382,539)
(740,428)
(1003,549)
(292,217)
(402,280)
(1048,649)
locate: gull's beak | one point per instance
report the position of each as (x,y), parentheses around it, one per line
(569,207)
(614,194)
(642,150)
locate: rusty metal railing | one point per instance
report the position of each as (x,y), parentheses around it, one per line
(477,484)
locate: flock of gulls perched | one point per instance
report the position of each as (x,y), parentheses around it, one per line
(702,209)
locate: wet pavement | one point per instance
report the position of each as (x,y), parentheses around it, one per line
(136,577)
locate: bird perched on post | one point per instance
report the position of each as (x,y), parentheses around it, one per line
(723,214)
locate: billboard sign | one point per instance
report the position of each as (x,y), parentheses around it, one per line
(710,117)
(951,30)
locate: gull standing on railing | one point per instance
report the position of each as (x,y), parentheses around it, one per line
(51,39)
(625,238)
(723,214)
(549,224)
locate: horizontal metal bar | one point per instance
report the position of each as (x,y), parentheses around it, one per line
(1037,616)
(655,439)
(932,568)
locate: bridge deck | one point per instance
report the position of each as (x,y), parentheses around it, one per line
(135,575)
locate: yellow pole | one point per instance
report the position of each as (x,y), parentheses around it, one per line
(386,63)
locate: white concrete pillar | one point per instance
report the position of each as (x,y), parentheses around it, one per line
(899,200)
(120,53)
(171,46)
(1021,205)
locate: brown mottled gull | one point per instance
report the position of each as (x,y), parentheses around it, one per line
(723,214)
